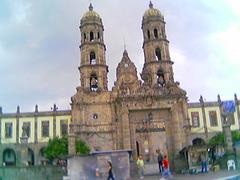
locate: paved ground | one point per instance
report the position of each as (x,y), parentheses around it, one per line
(222,175)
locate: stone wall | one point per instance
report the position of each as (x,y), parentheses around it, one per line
(96,165)
(31,172)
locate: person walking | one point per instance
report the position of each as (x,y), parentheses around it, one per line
(166,171)
(204,163)
(160,162)
(140,165)
(110,171)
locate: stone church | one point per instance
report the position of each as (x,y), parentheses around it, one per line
(143,115)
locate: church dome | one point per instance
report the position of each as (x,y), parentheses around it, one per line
(91,15)
(152,12)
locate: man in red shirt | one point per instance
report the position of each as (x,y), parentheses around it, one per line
(166,171)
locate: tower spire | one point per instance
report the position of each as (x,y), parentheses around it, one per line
(124,44)
(90,7)
(150,4)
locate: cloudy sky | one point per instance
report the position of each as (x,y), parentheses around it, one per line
(39,40)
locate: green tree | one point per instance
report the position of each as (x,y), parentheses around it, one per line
(82,147)
(58,148)
(219,139)
(235,136)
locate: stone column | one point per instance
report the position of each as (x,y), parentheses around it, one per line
(126,129)
(54,119)
(133,140)
(226,127)
(72,140)
(17,124)
(24,151)
(36,125)
(228,137)
(176,129)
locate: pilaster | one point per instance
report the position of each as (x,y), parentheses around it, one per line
(17,124)
(204,117)
(36,125)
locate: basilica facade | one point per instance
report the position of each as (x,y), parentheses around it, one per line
(140,115)
(143,115)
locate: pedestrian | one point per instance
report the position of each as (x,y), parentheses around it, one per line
(110,171)
(140,165)
(166,171)
(160,162)
(204,163)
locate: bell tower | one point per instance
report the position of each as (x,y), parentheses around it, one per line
(93,68)
(157,68)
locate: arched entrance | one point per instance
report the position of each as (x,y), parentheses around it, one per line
(198,142)
(9,157)
(30,157)
(137,145)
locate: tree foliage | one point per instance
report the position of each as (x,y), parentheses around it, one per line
(57,148)
(235,136)
(82,147)
(219,139)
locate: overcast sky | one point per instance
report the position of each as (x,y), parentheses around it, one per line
(39,47)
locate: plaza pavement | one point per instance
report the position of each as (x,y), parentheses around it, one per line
(221,175)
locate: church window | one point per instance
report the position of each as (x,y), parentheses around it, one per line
(98,35)
(95,116)
(91,36)
(158,54)
(93,82)
(195,119)
(92,58)
(155,33)
(213,118)
(8,130)
(148,34)
(160,78)
(45,128)
(64,127)
(27,127)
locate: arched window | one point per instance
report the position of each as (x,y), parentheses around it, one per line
(160,78)
(92,58)
(158,54)
(198,142)
(98,35)
(30,157)
(85,37)
(93,82)
(9,157)
(148,34)
(155,33)
(91,36)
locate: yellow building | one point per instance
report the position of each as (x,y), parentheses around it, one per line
(39,127)
(206,118)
